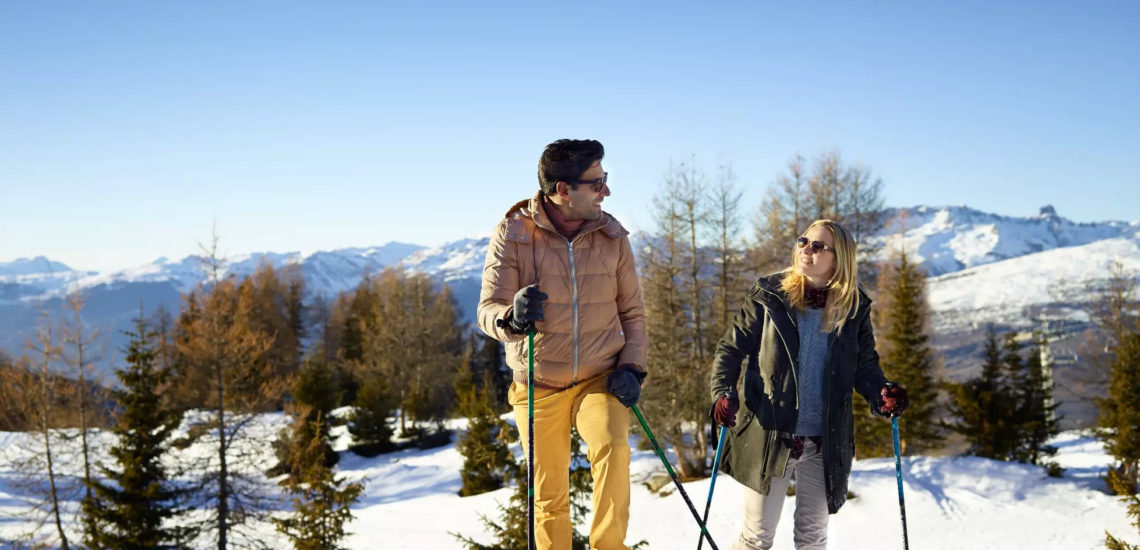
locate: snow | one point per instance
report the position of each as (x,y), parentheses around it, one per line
(456,260)
(1003,291)
(410,500)
(950,238)
(185,273)
(28,279)
(951,503)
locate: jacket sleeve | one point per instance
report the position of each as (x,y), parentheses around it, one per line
(869,378)
(740,341)
(631,310)
(500,282)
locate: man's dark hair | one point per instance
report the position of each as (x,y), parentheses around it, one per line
(566,160)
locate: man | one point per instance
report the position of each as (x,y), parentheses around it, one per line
(561,266)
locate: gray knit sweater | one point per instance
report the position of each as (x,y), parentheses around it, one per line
(809,372)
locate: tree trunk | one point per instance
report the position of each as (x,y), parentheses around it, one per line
(223,470)
(45,431)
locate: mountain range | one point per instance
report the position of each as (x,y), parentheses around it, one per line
(983,268)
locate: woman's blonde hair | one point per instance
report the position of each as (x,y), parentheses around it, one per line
(842,289)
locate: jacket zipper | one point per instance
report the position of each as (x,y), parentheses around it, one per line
(573,290)
(827,410)
(574,307)
(791,360)
(792,364)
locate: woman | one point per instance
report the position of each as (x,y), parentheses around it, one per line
(806,336)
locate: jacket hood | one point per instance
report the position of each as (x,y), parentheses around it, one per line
(767,288)
(532,208)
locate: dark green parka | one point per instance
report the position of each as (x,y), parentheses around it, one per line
(763,338)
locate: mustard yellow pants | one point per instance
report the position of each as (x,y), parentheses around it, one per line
(603,423)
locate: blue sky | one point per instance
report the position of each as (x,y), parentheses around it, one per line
(128,128)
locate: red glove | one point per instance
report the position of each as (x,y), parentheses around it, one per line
(892,400)
(724,412)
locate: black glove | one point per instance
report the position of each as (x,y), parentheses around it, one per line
(528,308)
(625,384)
(892,401)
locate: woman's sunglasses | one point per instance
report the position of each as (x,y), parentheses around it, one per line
(816,246)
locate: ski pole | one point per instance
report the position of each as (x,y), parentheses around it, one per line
(712,483)
(898,476)
(677,482)
(530,441)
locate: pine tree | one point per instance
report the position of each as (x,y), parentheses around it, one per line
(368,422)
(47,353)
(321,500)
(17,385)
(510,531)
(873,437)
(675,302)
(138,506)
(361,318)
(1119,420)
(1037,422)
(38,471)
(275,310)
(903,318)
(222,366)
(409,334)
(487,359)
(1011,435)
(1127,491)
(1119,411)
(78,357)
(731,282)
(314,397)
(909,357)
(487,460)
(984,407)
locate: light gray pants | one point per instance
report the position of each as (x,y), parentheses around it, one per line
(762,512)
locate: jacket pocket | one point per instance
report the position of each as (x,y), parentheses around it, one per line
(775,456)
(744,418)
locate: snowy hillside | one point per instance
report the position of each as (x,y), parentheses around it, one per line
(324,272)
(113,298)
(1060,279)
(951,502)
(951,238)
(457,260)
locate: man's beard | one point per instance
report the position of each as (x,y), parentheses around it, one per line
(591,214)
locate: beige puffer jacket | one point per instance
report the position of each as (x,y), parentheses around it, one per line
(594,316)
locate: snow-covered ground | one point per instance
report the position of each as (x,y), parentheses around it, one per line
(951,503)
(954,503)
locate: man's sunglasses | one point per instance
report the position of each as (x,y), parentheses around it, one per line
(597,184)
(816,246)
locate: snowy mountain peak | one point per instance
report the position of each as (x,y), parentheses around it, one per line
(32,277)
(455,260)
(951,238)
(32,266)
